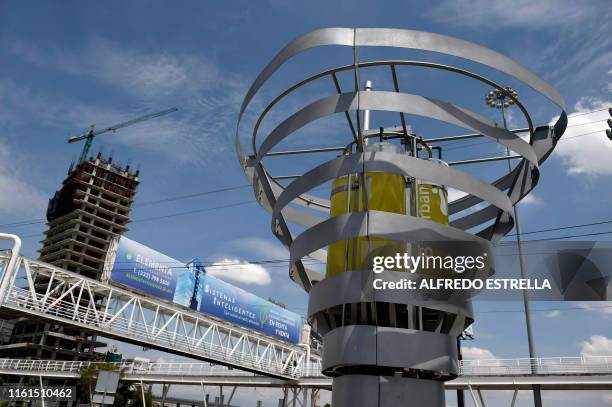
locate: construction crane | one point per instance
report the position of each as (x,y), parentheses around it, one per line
(89,135)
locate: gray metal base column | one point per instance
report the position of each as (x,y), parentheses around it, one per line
(386,391)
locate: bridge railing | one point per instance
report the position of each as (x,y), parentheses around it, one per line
(128,367)
(490,367)
(539,366)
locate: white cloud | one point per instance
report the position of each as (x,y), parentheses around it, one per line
(561,58)
(531,199)
(261,248)
(143,73)
(178,136)
(472,353)
(500,14)
(17,194)
(207,97)
(553,314)
(597,345)
(590,154)
(240,271)
(603,308)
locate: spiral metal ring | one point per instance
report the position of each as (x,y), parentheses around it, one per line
(501,194)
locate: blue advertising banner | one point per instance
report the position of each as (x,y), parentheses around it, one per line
(144,269)
(151,272)
(236,305)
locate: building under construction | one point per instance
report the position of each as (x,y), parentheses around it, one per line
(91,208)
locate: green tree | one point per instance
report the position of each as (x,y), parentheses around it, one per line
(131,394)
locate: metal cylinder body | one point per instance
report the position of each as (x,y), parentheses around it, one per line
(377,191)
(381,350)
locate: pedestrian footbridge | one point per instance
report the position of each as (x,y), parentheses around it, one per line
(71,299)
(247,358)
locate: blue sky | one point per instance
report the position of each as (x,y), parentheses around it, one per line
(72,64)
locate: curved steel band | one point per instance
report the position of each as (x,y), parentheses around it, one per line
(401,38)
(518,183)
(391,163)
(356,287)
(293,214)
(391,63)
(395,102)
(364,345)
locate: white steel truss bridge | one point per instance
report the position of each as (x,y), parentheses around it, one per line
(596,373)
(71,299)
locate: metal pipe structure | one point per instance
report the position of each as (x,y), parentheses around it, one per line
(366,113)
(10,269)
(485,160)
(314,150)
(386,347)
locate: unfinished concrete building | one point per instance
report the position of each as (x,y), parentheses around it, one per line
(91,208)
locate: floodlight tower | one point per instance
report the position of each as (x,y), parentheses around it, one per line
(502,99)
(387,196)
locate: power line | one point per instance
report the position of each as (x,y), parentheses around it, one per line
(212,264)
(588,112)
(568,227)
(236,187)
(564,227)
(491,141)
(193,211)
(563,138)
(570,236)
(581,135)
(145,203)
(583,124)
(188,196)
(543,310)
(176,214)
(221,265)
(180,197)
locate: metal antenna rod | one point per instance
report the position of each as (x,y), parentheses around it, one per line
(366,113)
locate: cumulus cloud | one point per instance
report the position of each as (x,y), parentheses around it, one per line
(178,136)
(553,314)
(17,194)
(603,308)
(473,352)
(531,199)
(154,73)
(500,14)
(240,271)
(152,80)
(597,345)
(584,149)
(260,248)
